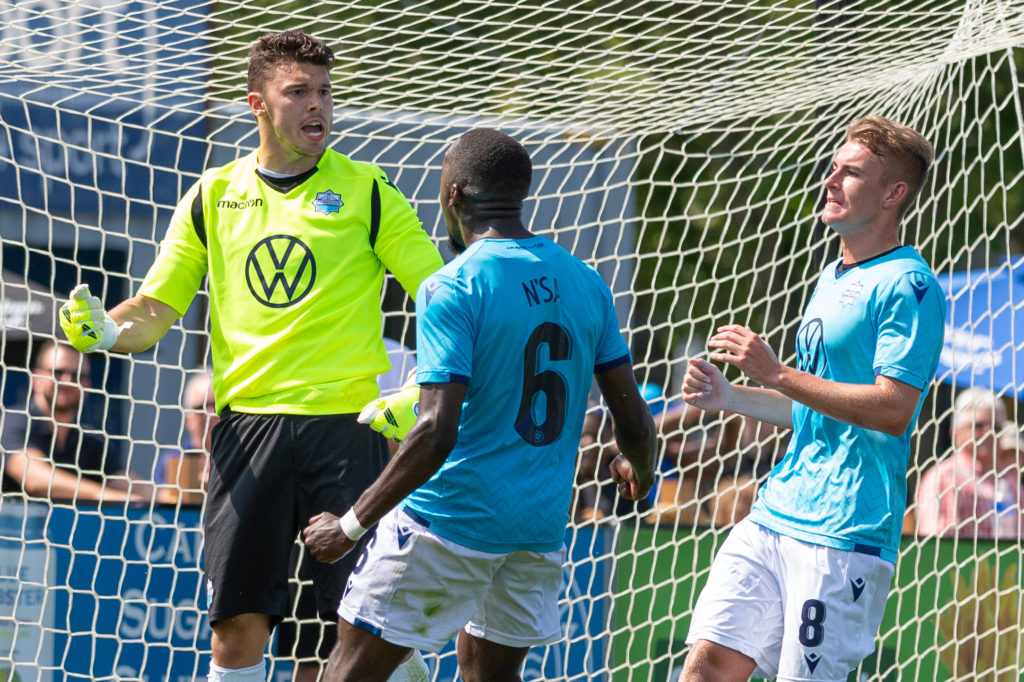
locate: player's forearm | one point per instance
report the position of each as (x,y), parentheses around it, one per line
(421,454)
(39,479)
(639,445)
(762,404)
(150,319)
(882,406)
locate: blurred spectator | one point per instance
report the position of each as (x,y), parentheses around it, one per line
(688,464)
(1010,443)
(49,451)
(760,446)
(185,472)
(730,501)
(975,492)
(701,453)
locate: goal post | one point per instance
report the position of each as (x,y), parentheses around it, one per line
(678,147)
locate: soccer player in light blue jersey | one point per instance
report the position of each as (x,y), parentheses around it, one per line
(798,589)
(510,336)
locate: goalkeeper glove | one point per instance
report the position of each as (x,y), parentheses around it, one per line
(86,324)
(394,415)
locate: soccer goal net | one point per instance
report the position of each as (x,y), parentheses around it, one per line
(679,148)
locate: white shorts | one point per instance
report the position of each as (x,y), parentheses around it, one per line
(801,611)
(413,588)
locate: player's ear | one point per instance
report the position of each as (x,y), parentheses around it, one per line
(455,196)
(256,104)
(896,194)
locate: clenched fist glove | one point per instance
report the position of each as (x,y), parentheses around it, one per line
(86,323)
(394,415)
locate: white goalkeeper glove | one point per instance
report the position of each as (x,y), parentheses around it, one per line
(394,415)
(85,322)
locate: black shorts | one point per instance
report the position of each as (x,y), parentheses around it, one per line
(269,474)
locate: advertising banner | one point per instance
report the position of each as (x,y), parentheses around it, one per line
(88,122)
(128,588)
(26,616)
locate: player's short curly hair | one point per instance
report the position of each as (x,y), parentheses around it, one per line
(285,47)
(488,165)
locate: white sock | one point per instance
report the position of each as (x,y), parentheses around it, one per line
(255,673)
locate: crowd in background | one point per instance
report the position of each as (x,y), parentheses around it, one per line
(710,468)
(708,474)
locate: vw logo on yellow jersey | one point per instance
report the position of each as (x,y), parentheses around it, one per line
(280,271)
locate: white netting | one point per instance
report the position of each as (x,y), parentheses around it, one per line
(678,146)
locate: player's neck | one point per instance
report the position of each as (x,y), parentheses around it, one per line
(502,228)
(283,164)
(868,244)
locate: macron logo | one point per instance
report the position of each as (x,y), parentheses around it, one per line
(403,537)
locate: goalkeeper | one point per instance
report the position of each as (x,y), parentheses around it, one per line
(295,239)
(509,338)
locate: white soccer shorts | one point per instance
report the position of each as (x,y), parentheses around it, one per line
(413,588)
(801,611)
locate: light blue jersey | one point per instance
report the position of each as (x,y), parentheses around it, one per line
(845,486)
(525,325)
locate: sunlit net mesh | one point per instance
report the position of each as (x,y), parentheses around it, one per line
(679,147)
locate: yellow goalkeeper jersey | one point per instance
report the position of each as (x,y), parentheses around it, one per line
(295,277)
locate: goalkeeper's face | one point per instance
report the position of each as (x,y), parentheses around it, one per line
(294,108)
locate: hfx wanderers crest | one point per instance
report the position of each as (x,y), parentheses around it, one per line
(327,202)
(851,294)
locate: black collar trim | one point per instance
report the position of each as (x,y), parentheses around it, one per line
(843,267)
(285,185)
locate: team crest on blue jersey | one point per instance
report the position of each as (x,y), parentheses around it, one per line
(851,294)
(327,202)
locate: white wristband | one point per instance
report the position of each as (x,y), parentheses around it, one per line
(111,331)
(350,525)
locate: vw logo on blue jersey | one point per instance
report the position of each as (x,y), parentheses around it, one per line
(280,271)
(810,348)
(327,202)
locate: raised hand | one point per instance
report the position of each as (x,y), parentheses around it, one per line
(86,323)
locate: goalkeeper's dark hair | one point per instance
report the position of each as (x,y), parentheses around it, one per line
(906,153)
(281,48)
(489,166)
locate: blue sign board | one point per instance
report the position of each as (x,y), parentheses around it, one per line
(984,336)
(113,119)
(89,593)
(127,588)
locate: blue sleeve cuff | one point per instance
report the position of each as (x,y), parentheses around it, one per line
(433,377)
(611,364)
